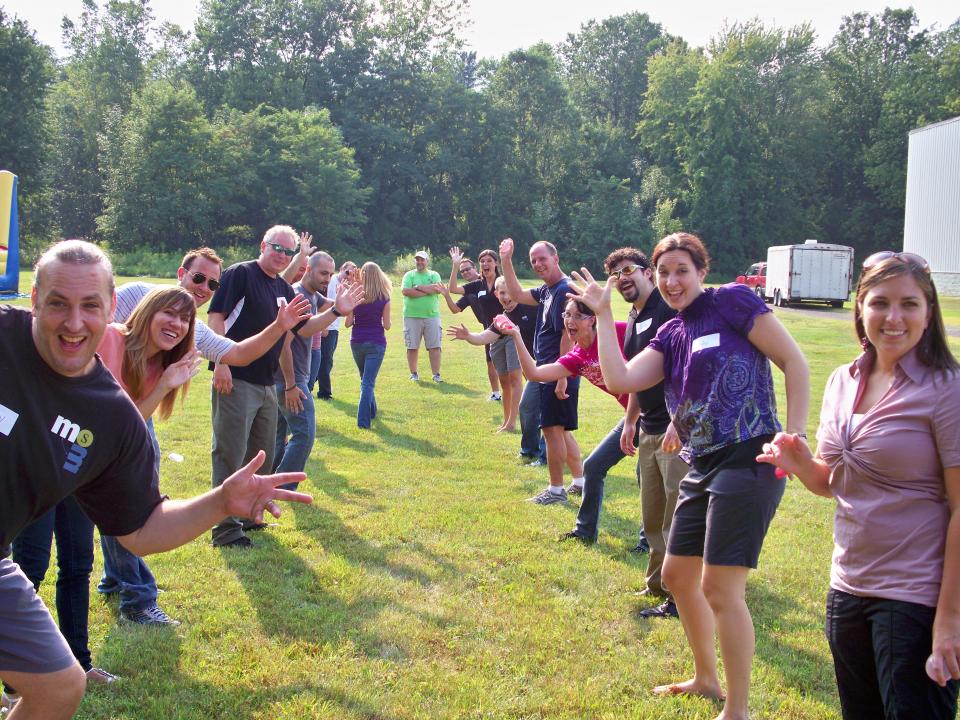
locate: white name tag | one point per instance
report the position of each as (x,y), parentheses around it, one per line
(643,325)
(705,341)
(481,293)
(7,419)
(281,301)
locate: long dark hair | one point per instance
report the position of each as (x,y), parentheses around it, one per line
(932,350)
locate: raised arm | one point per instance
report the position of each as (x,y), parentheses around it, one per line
(456,257)
(771,338)
(306,249)
(348,297)
(174,375)
(524,297)
(255,346)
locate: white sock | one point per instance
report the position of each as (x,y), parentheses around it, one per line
(578,482)
(556,489)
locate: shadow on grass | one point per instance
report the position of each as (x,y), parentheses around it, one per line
(155,687)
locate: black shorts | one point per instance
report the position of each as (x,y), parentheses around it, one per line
(726,504)
(554,411)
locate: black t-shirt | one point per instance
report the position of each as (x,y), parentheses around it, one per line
(249,299)
(552,300)
(482,300)
(641,328)
(61,435)
(525,318)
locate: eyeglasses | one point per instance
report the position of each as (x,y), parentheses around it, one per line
(627,270)
(464,271)
(576,317)
(904,257)
(289,252)
(199,279)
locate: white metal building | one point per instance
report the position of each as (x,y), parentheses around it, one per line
(932,222)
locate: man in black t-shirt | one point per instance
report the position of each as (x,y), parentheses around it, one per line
(558,400)
(67,427)
(245,400)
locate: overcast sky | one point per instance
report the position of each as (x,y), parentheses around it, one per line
(499,26)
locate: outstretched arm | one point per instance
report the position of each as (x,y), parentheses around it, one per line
(481,338)
(246,351)
(244,494)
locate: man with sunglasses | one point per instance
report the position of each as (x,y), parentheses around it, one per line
(124,573)
(641,432)
(245,408)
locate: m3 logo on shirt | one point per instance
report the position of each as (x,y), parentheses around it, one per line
(81,439)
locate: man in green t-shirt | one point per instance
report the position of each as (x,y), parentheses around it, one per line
(421,314)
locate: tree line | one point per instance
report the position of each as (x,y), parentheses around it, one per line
(369,124)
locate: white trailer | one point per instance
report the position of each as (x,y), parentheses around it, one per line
(811,272)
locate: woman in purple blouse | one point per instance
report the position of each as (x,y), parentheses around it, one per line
(714,359)
(368,341)
(888,451)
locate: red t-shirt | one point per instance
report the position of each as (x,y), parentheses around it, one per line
(586,362)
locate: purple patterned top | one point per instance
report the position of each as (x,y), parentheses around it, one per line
(368,323)
(718,386)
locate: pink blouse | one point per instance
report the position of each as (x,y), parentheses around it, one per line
(110,351)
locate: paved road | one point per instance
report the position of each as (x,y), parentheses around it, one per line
(845,313)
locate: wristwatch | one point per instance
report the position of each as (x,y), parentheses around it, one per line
(336,313)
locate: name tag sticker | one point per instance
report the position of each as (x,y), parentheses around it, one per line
(481,293)
(281,301)
(7,419)
(643,325)
(705,341)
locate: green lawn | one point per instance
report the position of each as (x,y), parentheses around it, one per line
(421,585)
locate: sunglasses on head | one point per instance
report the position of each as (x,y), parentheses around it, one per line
(904,257)
(627,270)
(199,279)
(289,252)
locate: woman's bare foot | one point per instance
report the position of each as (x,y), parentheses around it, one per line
(691,687)
(507,428)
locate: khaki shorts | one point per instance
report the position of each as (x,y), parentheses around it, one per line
(503,353)
(428,329)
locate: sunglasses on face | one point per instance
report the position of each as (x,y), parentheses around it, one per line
(627,270)
(289,252)
(904,257)
(199,279)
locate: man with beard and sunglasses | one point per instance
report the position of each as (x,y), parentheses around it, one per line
(641,432)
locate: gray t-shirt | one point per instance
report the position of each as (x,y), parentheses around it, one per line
(300,346)
(212,346)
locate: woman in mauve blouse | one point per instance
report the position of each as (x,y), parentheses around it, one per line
(889,454)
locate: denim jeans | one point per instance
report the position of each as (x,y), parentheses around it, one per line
(369,357)
(879,649)
(124,572)
(74,535)
(302,427)
(531,442)
(595,468)
(328,346)
(316,355)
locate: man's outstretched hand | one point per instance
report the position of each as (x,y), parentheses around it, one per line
(246,494)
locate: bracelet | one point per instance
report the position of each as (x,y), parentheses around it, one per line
(292,387)
(336,313)
(803,435)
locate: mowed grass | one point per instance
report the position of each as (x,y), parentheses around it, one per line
(419,584)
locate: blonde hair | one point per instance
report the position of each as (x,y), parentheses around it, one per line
(376,284)
(137,334)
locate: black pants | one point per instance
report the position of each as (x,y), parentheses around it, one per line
(879,650)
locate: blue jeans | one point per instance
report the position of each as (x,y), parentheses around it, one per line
(124,572)
(74,534)
(369,357)
(595,468)
(328,346)
(531,442)
(302,427)
(316,355)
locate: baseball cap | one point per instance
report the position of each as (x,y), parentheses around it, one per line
(421,254)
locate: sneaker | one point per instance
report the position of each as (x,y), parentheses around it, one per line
(436,378)
(151,615)
(99,676)
(548,497)
(8,701)
(642,547)
(573,536)
(667,609)
(575,490)
(251,526)
(495,397)
(242,542)
(537,463)
(414,377)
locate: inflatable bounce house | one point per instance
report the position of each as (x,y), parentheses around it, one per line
(9,236)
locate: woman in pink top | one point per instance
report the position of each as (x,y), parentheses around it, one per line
(889,453)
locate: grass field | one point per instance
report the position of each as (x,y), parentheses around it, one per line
(421,585)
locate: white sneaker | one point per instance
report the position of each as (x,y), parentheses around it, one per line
(414,377)
(495,397)
(436,378)
(8,703)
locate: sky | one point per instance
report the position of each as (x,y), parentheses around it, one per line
(499,26)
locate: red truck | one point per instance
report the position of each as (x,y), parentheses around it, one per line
(755,277)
